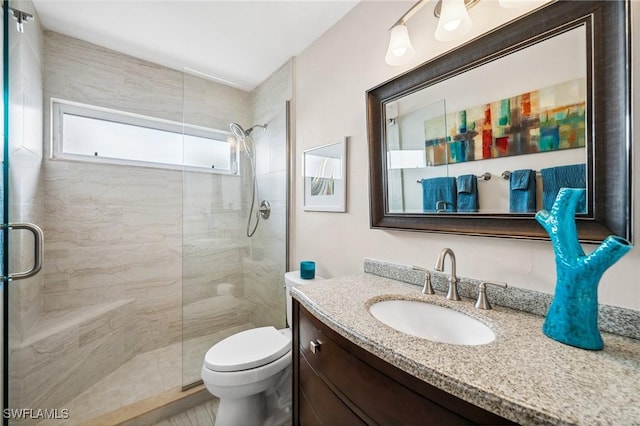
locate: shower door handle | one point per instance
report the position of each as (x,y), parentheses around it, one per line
(38,243)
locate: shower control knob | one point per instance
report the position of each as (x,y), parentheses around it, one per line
(265,209)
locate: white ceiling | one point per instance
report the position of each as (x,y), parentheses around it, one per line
(237,42)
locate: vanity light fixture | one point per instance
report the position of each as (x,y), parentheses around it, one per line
(400,50)
(453,22)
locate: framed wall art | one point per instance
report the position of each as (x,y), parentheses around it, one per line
(325,177)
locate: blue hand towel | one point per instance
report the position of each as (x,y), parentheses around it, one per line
(439,194)
(554,178)
(522,191)
(468,193)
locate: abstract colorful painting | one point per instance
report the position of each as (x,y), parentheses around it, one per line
(547,119)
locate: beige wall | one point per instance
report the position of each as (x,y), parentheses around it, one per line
(332,76)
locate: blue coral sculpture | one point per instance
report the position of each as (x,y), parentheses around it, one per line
(573,315)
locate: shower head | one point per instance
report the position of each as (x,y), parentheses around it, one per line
(240,133)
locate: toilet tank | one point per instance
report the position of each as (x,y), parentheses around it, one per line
(293,278)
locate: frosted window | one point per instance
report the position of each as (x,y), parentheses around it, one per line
(92,134)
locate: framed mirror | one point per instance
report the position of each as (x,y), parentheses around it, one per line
(325,177)
(477,140)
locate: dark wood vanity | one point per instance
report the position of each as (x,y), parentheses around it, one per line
(336,382)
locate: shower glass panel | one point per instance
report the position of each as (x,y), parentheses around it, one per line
(99,328)
(22,199)
(3,197)
(231,282)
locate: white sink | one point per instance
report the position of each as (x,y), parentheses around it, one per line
(432,322)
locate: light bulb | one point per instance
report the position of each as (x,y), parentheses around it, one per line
(399,51)
(452,25)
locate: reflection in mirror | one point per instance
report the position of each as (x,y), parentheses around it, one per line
(407,161)
(521,118)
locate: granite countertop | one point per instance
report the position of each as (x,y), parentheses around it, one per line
(522,375)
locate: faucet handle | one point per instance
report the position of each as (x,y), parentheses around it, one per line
(483,301)
(426,289)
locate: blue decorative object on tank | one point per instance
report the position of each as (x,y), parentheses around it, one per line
(573,315)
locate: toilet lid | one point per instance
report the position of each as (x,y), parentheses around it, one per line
(247,349)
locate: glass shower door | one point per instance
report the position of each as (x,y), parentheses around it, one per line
(233,279)
(22,240)
(3,243)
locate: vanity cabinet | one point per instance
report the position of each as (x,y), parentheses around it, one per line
(338,383)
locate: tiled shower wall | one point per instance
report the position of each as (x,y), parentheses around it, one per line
(115,232)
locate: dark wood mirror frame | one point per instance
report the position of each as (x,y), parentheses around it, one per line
(609,152)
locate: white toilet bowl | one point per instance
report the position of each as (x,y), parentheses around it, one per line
(245,368)
(241,368)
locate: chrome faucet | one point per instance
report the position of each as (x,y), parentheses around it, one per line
(452,294)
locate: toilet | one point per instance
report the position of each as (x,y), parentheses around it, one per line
(250,371)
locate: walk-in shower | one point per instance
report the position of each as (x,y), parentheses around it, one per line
(145,266)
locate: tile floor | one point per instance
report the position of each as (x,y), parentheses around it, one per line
(205,415)
(201,415)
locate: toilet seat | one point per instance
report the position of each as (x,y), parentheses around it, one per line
(248,349)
